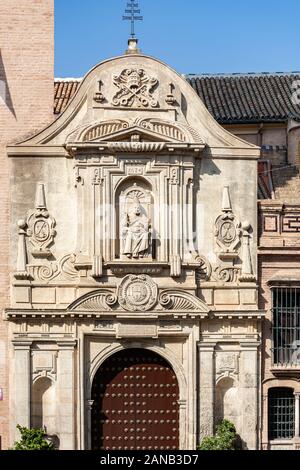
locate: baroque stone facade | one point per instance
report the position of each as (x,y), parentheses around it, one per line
(137,230)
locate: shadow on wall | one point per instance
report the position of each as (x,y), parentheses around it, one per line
(5,95)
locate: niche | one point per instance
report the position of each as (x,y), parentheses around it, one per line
(135,236)
(227,401)
(44,405)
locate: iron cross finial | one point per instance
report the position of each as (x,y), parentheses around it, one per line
(132,14)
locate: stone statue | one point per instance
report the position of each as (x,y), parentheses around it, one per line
(136,233)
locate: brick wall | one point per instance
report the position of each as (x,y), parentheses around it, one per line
(26,104)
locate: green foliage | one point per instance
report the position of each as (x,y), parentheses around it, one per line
(224,439)
(32,439)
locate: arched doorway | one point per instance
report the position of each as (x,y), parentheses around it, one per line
(135,397)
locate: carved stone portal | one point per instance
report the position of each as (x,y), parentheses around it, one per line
(135,89)
(137,293)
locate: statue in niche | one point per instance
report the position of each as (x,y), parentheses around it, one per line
(136,232)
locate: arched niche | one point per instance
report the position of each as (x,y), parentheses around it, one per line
(135,234)
(227,401)
(43,405)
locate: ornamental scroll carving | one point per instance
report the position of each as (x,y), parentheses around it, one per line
(181,301)
(64,270)
(135,89)
(96,301)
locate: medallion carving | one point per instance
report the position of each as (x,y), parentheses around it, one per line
(135,89)
(227,230)
(41,225)
(137,293)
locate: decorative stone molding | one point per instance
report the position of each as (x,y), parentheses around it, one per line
(96,301)
(170,99)
(137,293)
(97,270)
(175,266)
(181,301)
(227,273)
(22,274)
(174,176)
(227,365)
(166,129)
(41,225)
(135,89)
(204,270)
(62,270)
(136,147)
(120,269)
(227,230)
(44,364)
(104,129)
(247,270)
(144,129)
(99,97)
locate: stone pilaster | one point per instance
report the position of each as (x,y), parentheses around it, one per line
(206,353)
(22,386)
(249,385)
(66,394)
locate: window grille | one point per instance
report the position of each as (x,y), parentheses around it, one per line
(281,413)
(286,325)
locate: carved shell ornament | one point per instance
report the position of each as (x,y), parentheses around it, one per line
(135,89)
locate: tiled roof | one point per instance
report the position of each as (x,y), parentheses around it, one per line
(248,98)
(64,90)
(231,99)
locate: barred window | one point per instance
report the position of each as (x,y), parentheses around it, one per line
(281,413)
(286,325)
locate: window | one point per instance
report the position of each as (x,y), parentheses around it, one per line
(281,413)
(286,325)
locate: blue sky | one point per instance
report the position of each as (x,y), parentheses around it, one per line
(193,36)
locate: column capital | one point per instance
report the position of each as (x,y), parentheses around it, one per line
(65,344)
(206,347)
(250,346)
(22,345)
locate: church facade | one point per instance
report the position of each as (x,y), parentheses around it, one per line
(134,244)
(145,293)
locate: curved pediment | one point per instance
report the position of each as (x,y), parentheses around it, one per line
(169,300)
(158,103)
(149,129)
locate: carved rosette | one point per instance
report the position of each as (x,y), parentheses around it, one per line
(137,293)
(135,89)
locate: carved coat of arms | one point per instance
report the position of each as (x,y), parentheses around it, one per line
(135,89)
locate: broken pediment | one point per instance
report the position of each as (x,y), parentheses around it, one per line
(138,135)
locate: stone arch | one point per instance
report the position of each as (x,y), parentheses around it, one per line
(149,389)
(166,353)
(281,383)
(43,405)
